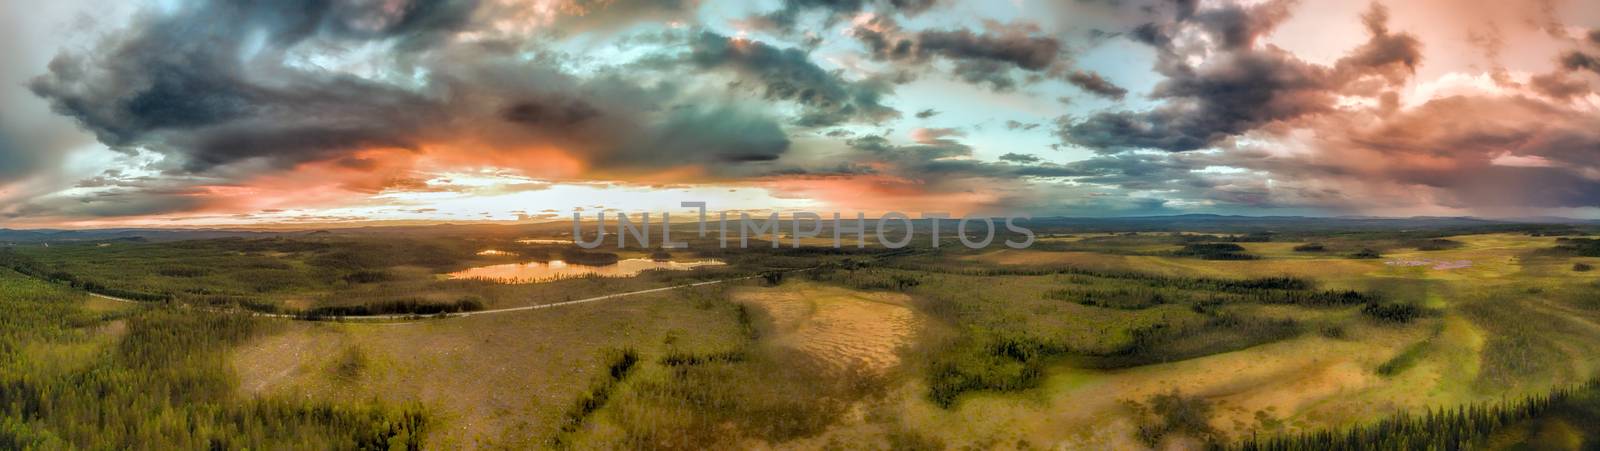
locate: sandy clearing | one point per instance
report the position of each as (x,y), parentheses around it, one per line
(843,328)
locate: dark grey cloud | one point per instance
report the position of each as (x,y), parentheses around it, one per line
(1241,85)
(1559,85)
(1576,60)
(790,75)
(993,57)
(1019,158)
(1018,125)
(1032,53)
(187,83)
(1236,27)
(946,163)
(1097,85)
(833,11)
(924,114)
(882,148)
(1391,55)
(550,113)
(719,134)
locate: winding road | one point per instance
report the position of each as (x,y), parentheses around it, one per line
(390,319)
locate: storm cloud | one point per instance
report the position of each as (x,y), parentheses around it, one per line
(1241,86)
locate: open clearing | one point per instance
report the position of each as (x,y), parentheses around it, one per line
(497,380)
(845,328)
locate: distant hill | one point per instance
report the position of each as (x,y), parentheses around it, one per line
(38,235)
(1187,223)
(1226,223)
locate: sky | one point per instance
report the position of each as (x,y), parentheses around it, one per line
(177,113)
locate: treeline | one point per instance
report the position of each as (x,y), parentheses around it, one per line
(1435,244)
(1215,251)
(1161,343)
(1252,237)
(1468,427)
(859,276)
(1582,247)
(1142,297)
(1192,283)
(412,306)
(619,364)
(1267,290)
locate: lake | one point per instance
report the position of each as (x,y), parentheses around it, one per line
(535,272)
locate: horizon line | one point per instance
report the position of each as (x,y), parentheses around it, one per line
(282,227)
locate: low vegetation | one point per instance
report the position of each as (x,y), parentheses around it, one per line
(1174,414)
(1366,254)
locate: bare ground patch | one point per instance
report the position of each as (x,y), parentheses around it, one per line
(844,328)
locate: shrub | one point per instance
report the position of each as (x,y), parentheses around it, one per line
(619,364)
(1335,332)
(1395,313)
(1436,244)
(368,276)
(772,278)
(350,365)
(1582,267)
(1173,412)
(1366,254)
(1311,247)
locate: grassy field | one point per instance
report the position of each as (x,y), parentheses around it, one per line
(1094,340)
